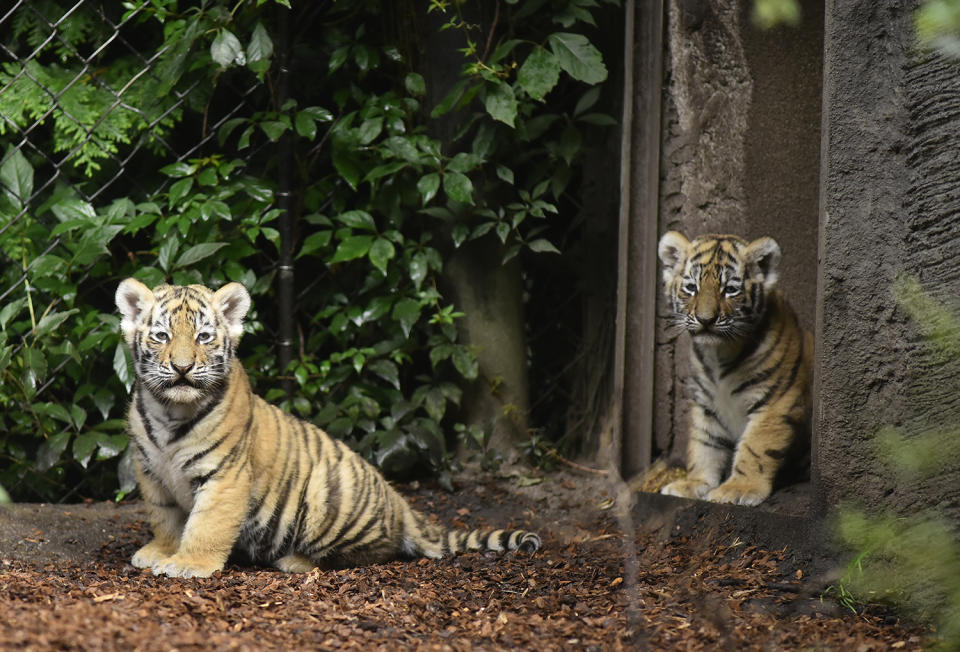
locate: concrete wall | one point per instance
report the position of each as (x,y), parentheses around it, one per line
(890,198)
(740,154)
(840,139)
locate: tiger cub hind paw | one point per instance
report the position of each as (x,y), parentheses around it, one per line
(740,492)
(150,555)
(688,488)
(183,566)
(295,564)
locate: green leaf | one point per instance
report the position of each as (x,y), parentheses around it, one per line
(261,47)
(484,141)
(428,185)
(168,249)
(463,162)
(578,57)
(381,251)
(539,73)
(274,129)
(83,447)
(370,129)
(440,353)
(51,450)
(414,84)
(318,113)
(196,253)
(305,125)
(111,445)
(505,174)
(73,210)
(34,367)
(403,148)
(314,242)
(344,160)
(407,312)
(451,99)
(93,243)
(223,133)
(53,321)
(587,101)
(226,49)
(244,141)
(351,248)
(16,177)
(123,365)
(181,169)
(435,403)
(49,265)
(179,190)
(459,234)
(357,220)
(458,187)
(541,245)
(501,103)
(418,269)
(465,362)
(10,310)
(386,369)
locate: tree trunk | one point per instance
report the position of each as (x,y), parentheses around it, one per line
(490,296)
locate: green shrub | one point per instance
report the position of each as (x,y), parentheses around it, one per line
(95,187)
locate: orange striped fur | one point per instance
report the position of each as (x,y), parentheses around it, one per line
(221,470)
(751,365)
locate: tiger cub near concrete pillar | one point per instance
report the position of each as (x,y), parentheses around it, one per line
(751,365)
(220,469)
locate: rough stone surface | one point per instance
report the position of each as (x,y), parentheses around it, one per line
(740,154)
(889,198)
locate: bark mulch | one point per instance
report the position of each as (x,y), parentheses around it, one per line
(697,593)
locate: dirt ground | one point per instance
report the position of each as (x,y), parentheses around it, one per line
(66,584)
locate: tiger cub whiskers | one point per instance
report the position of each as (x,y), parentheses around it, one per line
(751,365)
(221,470)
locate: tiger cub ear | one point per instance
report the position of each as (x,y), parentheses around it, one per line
(762,256)
(672,251)
(133,299)
(233,301)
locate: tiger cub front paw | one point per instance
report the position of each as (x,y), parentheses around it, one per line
(187,566)
(740,492)
(151,554)
(688,488)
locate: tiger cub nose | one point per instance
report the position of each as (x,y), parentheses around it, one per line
(181,369)
(707,320)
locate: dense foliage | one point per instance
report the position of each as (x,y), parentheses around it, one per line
(194,157)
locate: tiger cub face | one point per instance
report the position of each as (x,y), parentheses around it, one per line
(182,337)
(717,284)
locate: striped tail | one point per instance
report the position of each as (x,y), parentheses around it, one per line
(434,541)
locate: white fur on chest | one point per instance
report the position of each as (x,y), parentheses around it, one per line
(169,460)
(731,407)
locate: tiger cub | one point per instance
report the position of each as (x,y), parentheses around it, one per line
(751,365)
(221,470)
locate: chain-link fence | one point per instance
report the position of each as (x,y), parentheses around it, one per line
(95,99)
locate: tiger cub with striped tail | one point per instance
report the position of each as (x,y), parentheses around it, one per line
(751,364)
(222,470)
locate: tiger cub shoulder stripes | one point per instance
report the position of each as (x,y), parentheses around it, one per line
(751,365)
(221,470)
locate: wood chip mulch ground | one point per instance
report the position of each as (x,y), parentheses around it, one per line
(686,595)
